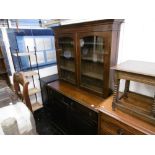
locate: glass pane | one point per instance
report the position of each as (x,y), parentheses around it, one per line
(92,50)
(66,46)
(67,64)
(68,76)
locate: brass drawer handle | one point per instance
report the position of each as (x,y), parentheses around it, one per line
(120,131)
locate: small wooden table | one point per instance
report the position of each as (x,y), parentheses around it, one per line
(138,71)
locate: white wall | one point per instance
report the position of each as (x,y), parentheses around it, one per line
(137,43)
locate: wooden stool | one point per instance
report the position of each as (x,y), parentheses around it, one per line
(133,103)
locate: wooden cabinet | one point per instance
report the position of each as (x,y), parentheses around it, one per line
(3,70)
(85,53)
(82,119)
(70,114)
(44,82)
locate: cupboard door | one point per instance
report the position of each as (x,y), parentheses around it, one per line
(66,58)
(81,119)
(59,109)
(92,47)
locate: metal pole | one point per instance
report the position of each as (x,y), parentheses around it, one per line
(18,59)
(31,70)
(37,67)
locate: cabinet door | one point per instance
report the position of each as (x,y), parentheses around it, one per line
(82,120)
(66,57)
(59,109)
(92,47)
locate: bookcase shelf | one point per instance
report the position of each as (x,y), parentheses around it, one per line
(93,75)
(67,69)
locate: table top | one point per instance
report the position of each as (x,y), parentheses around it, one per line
(138,67)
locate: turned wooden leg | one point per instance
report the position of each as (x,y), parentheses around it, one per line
(153,107)
(116,93)
(126,90)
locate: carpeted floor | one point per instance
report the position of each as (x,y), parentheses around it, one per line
(45,124)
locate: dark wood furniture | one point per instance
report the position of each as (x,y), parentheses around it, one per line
(74,109)
(85,52)
(120,123)
(80,112)
(3,70)
(133,103)
(44,82)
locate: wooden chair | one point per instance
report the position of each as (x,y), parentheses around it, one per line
(20,80)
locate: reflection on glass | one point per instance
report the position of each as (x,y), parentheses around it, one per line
(92,50)
(66,46)
(67,64)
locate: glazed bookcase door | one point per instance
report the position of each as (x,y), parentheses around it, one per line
(92,48)
(66,58)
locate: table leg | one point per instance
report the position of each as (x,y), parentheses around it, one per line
(153,107)
(126,90)
(116,93)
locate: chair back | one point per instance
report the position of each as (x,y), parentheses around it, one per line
(20,80)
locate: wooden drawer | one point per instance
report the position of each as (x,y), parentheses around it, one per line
(58,96)
(111,126)
(84,111)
